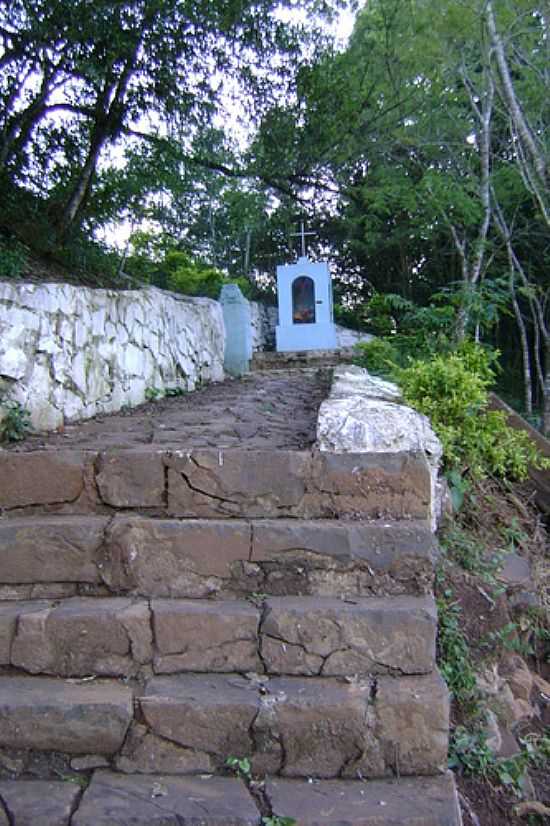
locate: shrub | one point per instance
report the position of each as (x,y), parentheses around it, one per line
(191,277)
(13,259)
(379,356)
(452,391)
(15,421)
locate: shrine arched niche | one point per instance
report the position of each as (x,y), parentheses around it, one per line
(303,300)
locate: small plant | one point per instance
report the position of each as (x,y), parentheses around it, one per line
(455,661)
(469,752)
(470,554)
(15,421)
(240,765)
(276,820)
(153,394)
(507,637)
(174,391)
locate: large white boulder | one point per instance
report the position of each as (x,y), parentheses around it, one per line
(362,415)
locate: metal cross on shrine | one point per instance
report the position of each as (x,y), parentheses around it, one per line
(302,234)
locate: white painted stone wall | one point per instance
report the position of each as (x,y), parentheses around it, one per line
(264,320)
(67,353)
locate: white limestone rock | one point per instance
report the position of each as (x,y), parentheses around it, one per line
(357,417)
(368,425)
(352,381)
(349,338)
(14,363)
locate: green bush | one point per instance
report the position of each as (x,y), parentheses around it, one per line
(190,277)
(378,356)
(452,390)
(13,259)
(15,421)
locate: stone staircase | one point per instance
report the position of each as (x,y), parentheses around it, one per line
(165,610)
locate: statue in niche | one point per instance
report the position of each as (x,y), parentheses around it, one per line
(303,300)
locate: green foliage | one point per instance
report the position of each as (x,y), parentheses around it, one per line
(13,258)
(15,421)
(378,356)
(277,820)
(153,394)
(192,277)
(240,765)
(469,553)
(469,752)
(458,487)
(455,662)
(452,391)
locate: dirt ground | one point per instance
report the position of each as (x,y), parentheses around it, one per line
(501,519)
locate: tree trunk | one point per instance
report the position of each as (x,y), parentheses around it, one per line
(527,378)
(546,408)
(109,117)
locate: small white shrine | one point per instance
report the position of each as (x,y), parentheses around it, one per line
(304,294)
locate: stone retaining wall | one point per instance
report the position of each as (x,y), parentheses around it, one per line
(68,353)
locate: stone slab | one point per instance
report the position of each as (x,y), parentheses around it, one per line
(145,753)
(39,802)
(84,636)
(41,478)
(412,724)
(305,727)
(315,636)
(133,479)
(232,483)
(410,802)
(337,558)
(212,714)
(333,728)
(9,617)
(51,549)
(165,801)
(193,635)
(266,484)
(318,727)
(373,485)
(168,558)
(46,714)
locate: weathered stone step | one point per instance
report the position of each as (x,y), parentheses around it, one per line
(161,800)
(49,556)
(421,801)
(296,727)
(37,802)
(267,360)
(311,636)
(46,714)
(210,483)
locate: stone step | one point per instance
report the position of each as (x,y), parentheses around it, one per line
(188,724)
(420,801)
(51,557)
(214,483)
(310,636)
(160,800)
(46,714)
(296,727)
(269,360)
